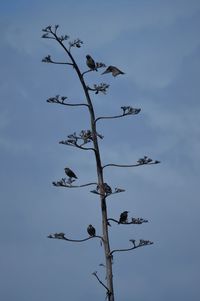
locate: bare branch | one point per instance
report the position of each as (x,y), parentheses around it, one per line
(85,136)
(76,43)
(134,221)
(107,190)
(141,161)
(74,144)
(95,274)
(68,184)
(61,63)
(141,243)
(46,36)
(48,59)
(75,104)
(127,110)
(63,237)
(53,31)
(97,66)
(87,71)
(102,87)
(49,30)
(61,100)
(109,117)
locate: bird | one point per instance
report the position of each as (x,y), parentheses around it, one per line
(114,70)
(91,230)
(123,217)
(107,188)
(70,173)
(90,62)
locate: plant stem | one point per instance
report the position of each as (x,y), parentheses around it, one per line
(108,258)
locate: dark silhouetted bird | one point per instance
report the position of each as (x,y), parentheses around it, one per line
(123,217)
(90,62)
(107,188)
(114,70)
(91,230)
(70,173)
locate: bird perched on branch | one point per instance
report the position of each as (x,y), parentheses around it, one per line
(90,62)
(91,230)
(107,188)
(114,70)
(123,217)
(70,173)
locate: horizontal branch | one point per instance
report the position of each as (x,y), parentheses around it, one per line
(110,117)
(66,142)
(120,165)
(97,66)
(84,148)
(48,59)
(62,236)
(61,100)
(60,63)
(68,104)
(44,36)
(132,165)
(108,190)
(102,87)
(127,111)
(141,243)
(134,221)
(75,104)
(64,183)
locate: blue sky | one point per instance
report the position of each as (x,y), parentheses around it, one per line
(157,45)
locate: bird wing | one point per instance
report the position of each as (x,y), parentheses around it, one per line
(116,71)
(108,70)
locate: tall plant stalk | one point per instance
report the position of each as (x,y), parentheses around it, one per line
(102,188)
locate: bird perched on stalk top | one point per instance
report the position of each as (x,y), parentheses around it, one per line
(123,217)
(91,230)
(70,173)
(90,62)
(114,70)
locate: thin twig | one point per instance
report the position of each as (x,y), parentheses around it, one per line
(48,38)
(61,100)
(60,63)
(74,240)
(127,165)
(63,184)
(86,72)
(129,249)
(112,219)
(85,148)
(135,221)
(70,104)
(111,117)
(76,145)
(95,274)
(123,250)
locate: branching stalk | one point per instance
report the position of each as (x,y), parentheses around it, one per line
(102,195)
(103,190)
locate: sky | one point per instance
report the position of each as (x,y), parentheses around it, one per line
(157,44)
